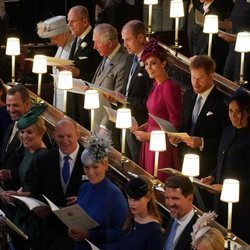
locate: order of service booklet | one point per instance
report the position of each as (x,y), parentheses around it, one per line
(72,216)
(168,128)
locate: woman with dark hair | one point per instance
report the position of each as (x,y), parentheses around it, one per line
(234,162)
(142,228)
(164,101)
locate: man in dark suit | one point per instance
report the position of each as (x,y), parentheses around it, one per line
(204,118)
(137,83)
(109,74)
(85,57)
(18,103)
(179,200)
(58,175)
(205,102)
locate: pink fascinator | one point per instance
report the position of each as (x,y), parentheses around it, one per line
(152,48)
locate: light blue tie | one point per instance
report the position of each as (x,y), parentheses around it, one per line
(196,109)
(132,71)
(171,236)
(65,169)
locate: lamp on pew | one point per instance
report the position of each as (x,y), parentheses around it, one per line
(13,49)
(157,144)
(191,166)
(65,82)
(91,102)
(39,67)
(210,27)
(150,4)
(243,46)
(230,194)
(123,121)
(176,11)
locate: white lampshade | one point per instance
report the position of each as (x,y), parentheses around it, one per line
(230,191)
(91,99)
(150,2)
(65,80)
(157,141)
(123,118)
(39,64)
(211,24)
(176,8)
(243,42)
(13,46)
(191,165)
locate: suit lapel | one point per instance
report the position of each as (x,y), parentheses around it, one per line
(185,237)
(205,108)
(72,50)
(114,61)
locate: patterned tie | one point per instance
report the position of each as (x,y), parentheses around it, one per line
(196,109)
(65,169)
(171,236)
(132,71)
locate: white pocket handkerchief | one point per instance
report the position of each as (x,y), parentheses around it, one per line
(209,113)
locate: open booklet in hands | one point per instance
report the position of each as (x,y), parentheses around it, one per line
(169,129)
(72,216)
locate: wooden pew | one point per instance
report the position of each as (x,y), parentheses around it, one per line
(120,173)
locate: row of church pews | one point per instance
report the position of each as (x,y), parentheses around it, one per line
(120,173)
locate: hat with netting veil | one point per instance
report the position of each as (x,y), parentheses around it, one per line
(96,148)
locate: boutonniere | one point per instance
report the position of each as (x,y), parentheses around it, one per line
(83,45)
(141,63)
(140,74)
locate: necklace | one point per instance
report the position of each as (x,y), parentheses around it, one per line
(134,226)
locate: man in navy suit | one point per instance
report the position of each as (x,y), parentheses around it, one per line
(204,117)
(137,83)
(85,57)
(206,129)
(179,201)
(17,103)
(49,179)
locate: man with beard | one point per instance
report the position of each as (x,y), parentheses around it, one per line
(179,196)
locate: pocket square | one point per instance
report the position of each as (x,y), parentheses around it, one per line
(82,57)
(140,74)
(209,113)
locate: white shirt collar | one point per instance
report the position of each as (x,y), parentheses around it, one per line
(206,7)
(114,52)
(85,33)
(206,93)
(73,155)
